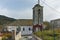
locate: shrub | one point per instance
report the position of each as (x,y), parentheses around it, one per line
(48,34)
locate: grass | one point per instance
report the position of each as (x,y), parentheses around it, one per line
(48,34)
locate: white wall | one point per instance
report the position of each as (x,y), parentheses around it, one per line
(10,28)
(26,30)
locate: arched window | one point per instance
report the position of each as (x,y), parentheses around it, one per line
(18,29)
(23,29)
(29,29)
(38,11)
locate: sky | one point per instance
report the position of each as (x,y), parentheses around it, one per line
(22,9)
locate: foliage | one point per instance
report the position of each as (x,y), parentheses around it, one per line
(5,20)
(48,34)
(7,35)
(48,24)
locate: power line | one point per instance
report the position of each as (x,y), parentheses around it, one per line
(50,6)
(54,10)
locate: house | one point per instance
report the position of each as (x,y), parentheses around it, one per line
(55,23)
(15,30)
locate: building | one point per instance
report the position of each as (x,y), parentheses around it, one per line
(37,17)
(25,26)
(55,23)
(14,30)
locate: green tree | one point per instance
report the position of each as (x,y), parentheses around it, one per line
(48,25)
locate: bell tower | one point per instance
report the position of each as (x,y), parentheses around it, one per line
(37,17)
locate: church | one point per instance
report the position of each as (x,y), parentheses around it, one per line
(31,25)
(28,26)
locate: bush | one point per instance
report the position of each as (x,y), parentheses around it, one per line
(6,36)
(48,34)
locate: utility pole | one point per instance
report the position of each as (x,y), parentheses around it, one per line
(39,23)
(38,1)
(54,30)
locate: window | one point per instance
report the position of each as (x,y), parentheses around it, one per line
(18,29)
(29,29)
(23,29)
(38,11)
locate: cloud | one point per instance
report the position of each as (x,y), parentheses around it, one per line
(49,13)
(3,11)
(21,9)
(22,14)
(18,14)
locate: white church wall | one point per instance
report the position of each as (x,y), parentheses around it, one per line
(25,30)
(10,28)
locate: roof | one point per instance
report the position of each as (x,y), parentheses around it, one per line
(22,22)
(56,20)
(37,5)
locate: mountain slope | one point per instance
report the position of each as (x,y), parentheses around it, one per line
(6,20)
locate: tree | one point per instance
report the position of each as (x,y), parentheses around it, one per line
(48,24)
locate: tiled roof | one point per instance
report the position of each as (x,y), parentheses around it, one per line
(22,22)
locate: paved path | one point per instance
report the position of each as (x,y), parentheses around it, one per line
(26,38)
(36,38)
(29,38)
(23,38)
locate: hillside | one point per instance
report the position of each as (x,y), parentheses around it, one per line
(6,20)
